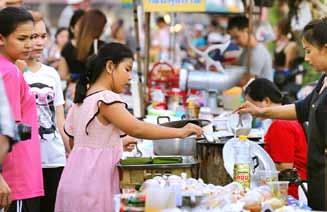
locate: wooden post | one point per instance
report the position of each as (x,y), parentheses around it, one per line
(138,58)
(137,38)
(250,6)
(147,46)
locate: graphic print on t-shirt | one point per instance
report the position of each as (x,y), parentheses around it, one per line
(44,96)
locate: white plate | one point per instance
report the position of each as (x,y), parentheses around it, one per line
(223,133)
(265,161)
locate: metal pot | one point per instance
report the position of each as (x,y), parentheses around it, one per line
(181,123)
(177,146)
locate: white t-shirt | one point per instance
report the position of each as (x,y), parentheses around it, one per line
(261,62)
(303,17)
(46,86)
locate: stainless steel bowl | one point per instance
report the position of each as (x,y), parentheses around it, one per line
(177,146)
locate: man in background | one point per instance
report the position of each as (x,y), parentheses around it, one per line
(261,61)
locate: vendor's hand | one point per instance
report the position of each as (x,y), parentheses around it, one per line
(129,143)
(4,193)
(248,107)
(190,129)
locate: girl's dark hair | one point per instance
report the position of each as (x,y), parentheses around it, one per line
(116,52)
(261,88)
(11,17)
(59,30)
(284,27)
(74,19)
(315,32)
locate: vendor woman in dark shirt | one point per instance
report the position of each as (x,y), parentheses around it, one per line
(312,109)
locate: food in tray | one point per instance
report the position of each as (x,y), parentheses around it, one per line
(167,160)
(151,160)
(136,161)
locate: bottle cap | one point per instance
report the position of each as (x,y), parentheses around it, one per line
(243,137)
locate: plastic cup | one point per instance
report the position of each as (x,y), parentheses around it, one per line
(265,176)
(158,199)
(231,101)
(279,190)
(116,202)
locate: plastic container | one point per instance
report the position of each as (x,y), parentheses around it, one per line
(242,162)
(263,177)
(279,190)
(242,128)
(231,98)
(158,199)
(231,101)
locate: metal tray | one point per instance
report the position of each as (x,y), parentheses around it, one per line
(188,161)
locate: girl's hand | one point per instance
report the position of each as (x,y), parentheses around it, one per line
(190,129)
(4,193)
(129,143)
(248,107)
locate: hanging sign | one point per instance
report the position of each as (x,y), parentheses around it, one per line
(127,4)
(223,6)
(174,5)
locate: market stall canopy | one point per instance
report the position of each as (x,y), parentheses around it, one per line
(215,6)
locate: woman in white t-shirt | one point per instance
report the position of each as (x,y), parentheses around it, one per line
(44,82)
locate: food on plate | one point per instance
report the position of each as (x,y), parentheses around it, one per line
(233,90)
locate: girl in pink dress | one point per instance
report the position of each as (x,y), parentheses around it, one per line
(95,122)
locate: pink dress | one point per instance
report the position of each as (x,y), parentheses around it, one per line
(90,179)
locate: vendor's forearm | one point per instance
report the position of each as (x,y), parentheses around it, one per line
(279,112)
(283,166)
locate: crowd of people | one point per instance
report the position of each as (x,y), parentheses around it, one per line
(65,93)
(33,169)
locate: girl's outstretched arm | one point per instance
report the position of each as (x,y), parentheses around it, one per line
(119,116)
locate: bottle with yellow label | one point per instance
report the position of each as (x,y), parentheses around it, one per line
(242,162)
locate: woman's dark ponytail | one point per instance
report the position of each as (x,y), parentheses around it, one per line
(114,52)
